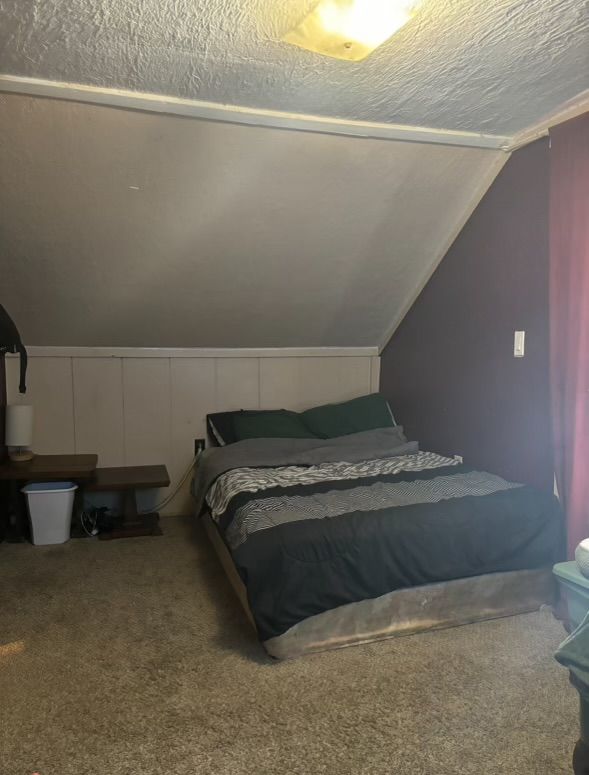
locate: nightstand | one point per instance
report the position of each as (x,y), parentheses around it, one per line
(42,468)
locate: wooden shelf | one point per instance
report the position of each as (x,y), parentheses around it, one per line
(129,478)
(50,468)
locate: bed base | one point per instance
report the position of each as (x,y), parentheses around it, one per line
(403,612)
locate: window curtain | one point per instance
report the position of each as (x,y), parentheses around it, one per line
(569,319)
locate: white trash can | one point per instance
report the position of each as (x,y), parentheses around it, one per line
(50,507)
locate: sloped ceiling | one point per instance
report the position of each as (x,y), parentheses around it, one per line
(124,228)
(128,228)
(493,67)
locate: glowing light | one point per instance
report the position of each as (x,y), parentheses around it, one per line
(350,29)
(10,649)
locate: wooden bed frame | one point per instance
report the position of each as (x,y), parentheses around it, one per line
(403,612)
(228,565)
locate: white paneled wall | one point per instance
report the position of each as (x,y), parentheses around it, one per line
(98,408)
(299,383)
(138,407)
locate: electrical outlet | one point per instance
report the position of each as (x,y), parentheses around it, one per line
(519,344)
(199,445)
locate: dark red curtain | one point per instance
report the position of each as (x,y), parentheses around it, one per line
(569,314)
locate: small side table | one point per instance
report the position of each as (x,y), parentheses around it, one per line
(126,480)
(42,468)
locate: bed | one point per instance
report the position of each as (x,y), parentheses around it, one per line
(331,542)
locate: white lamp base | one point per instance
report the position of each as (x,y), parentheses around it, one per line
(21,455)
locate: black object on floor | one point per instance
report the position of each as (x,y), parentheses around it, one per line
(581,758)
(574,654)
(126,480)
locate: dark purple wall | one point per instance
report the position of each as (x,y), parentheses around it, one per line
(449,370)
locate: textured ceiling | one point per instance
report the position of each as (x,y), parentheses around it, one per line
(122,228)
(476,65)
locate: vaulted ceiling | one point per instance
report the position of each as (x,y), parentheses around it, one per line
(133,228)
(127,228)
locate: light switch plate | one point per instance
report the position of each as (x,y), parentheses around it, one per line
(519,344)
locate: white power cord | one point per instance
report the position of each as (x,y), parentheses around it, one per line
(88,522)
(170,497)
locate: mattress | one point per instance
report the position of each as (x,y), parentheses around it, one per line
(313,526)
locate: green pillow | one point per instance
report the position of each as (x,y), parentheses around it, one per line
(279,424)
(359,414)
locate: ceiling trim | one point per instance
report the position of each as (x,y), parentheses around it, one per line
(494,169)
(41,351)
(236,114)
(571,109)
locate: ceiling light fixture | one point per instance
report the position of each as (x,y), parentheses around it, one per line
(350,29)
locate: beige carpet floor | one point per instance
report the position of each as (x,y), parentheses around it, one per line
(133,658)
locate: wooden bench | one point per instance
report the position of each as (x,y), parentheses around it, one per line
(127,480)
